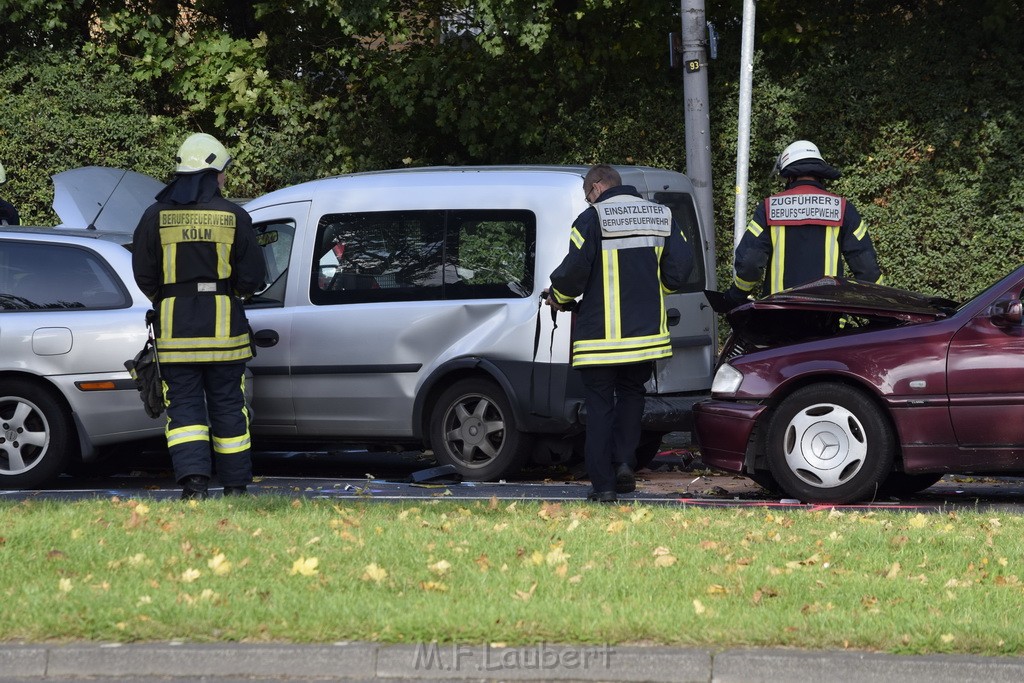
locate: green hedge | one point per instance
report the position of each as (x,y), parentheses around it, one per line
(917,103)
(61,113)
(921,111)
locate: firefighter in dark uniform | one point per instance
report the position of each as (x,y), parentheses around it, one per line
(624,253)
(798,235)
(8,214)
(195,256)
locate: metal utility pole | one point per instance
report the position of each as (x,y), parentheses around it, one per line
(696,116)
(743,132)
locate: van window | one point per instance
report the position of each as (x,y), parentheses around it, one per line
(35,275)
(491,254)
(275,240)
(684,211)
(423,256)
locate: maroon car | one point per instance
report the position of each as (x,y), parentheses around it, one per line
(840,391)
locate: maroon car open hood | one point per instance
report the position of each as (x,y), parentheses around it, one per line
(827,307)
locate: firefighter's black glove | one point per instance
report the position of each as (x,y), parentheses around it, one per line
(145,370)
(734,296)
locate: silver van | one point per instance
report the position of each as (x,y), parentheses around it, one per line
(404,309)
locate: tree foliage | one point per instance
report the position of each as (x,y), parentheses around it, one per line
(915,100)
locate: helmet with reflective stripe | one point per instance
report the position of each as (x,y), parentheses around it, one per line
(202,152)
(3,176)
(798,151)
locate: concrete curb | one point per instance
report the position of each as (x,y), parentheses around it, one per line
(372,661)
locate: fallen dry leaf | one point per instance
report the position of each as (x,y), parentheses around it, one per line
(305,566)
(557,556)
(435,586)
(374,572)
(640,515)
(219,564)
(526,595)
(663,557)
(616,527)
(919,521)
(550,511)
(441,567)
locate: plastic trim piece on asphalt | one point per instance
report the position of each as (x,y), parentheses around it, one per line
(454,662)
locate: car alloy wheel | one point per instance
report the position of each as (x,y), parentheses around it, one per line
(34,432)
(472,427)
(830,443)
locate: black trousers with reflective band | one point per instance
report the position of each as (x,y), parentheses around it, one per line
(208,423)
(614,396)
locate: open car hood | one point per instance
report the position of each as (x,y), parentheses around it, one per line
(103,198)
(827,307)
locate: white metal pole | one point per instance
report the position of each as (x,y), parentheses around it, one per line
(743,128)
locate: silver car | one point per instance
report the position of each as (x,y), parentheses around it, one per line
(70,315)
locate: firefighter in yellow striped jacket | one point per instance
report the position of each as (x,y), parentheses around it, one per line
(802,233)
(624,254)
(195,256)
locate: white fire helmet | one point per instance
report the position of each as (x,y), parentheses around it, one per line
(799,150)
(202,152)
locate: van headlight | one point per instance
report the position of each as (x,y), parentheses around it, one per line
(727,380)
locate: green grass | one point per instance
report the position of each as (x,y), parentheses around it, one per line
(273,569)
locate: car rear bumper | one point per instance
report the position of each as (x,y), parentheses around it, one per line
(723,430)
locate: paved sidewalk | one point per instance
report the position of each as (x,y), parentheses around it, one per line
(434,662)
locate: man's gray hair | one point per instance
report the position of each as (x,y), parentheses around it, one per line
(602,173)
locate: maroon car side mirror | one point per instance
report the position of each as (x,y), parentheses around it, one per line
(1007,313)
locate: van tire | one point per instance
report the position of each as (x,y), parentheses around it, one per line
(473,428)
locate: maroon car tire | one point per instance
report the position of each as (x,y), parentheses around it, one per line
(830,443)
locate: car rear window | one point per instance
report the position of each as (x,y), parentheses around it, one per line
(39,276)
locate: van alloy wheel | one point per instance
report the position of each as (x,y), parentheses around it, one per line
(472,427)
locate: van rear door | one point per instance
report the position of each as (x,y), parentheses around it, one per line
(690,318)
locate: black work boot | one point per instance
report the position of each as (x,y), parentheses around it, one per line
(236,490)
(601,496)
(625,480)
(195,487)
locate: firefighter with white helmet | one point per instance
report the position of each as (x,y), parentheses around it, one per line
(797,235)
(195,256)
(8,214)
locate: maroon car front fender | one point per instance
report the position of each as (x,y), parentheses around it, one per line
(723,430)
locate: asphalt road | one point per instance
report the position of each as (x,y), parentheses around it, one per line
(677,477)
